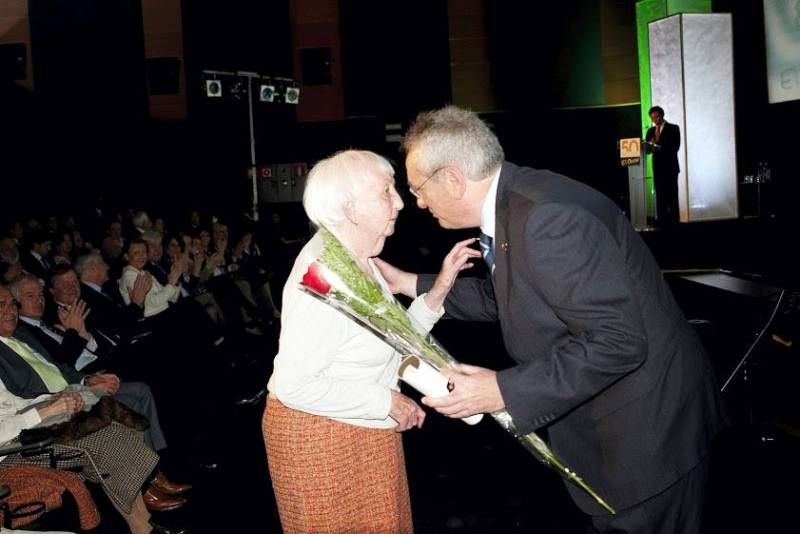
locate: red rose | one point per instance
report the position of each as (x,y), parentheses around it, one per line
(314,280)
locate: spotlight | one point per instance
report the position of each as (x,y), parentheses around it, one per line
(213,88)
(292,95)
(267,93)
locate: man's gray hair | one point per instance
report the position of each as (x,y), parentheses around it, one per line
(453,136)
(83,262)
(151,236)
(337,180)
(139,218)
(16,285)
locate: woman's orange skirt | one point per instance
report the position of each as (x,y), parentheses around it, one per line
(331,477)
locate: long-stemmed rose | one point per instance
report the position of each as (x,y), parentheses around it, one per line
(336,279)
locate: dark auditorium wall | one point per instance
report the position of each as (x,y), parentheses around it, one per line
(87,124)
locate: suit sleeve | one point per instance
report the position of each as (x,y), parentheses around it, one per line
(471,299)
(575,264)
(71,348)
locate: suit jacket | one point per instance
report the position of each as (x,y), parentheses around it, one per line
(665,159)
(111,319)
(605,358)
(66,352)
(35,267)
(19,377)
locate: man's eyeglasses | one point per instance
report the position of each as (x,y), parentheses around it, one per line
(415,190)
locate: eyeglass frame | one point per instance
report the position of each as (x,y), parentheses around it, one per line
(415,190)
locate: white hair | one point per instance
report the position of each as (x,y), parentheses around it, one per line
(337,180)
(453,136)
(83,262)
(140,218)
(152,237)
(15,287)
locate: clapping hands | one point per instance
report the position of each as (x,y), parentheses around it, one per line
(74,318)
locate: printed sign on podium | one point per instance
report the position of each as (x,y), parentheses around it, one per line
(630,151)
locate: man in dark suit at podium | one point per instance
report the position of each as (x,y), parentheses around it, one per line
(663,141)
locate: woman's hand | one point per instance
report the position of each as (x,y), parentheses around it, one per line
(399,281)
(65,403)
(177,269)
(141,286)
(406,412)
(198,261)
(458,259)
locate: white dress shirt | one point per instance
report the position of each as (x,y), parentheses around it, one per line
(488,210)
(327,364)
(157,299)
(86,357)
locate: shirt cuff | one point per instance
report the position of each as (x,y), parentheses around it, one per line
(385,405)
(30,418)
(426,317)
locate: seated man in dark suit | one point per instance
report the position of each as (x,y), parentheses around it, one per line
(35,260)
(28,370)
(68,341)
(111,318)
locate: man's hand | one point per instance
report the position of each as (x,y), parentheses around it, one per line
(474,391)
(456,261)
(105,381)
(399,281)
(141,286)
(74,318)
(406,412)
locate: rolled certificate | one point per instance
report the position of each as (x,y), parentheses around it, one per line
(426,379)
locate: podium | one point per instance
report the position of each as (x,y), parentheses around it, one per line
(632,156)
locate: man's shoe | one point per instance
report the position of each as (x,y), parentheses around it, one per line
(167,487)
(159,502)
(255,399)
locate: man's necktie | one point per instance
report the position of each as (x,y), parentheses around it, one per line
(487,249)
(658,133)
(50,375)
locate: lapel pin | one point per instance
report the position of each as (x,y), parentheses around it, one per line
(504,246)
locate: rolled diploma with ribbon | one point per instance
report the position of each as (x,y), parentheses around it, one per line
(426,379)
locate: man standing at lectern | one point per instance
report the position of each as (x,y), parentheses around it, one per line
(663,141)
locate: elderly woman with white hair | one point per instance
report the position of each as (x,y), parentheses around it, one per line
(334,412)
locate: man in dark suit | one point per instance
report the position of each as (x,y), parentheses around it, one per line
(663,141)
(114,323)
(36,260)
(604,357)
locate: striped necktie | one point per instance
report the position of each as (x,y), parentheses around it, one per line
(49,373)
(487,249)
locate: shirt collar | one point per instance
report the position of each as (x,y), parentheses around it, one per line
(35,255)
(30,321)
(94,286)
(490,206)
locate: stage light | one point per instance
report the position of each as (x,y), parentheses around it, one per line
(292,95)
(213,89)
(238,89)
(267,93)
